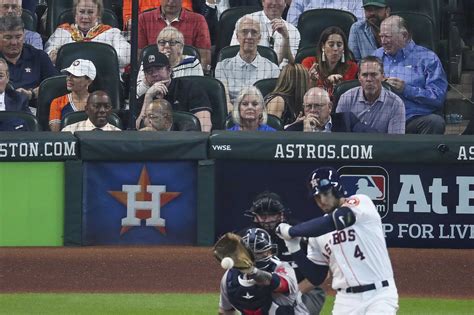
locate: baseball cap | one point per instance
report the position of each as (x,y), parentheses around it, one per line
(375,3)
(154,58)
(80,68)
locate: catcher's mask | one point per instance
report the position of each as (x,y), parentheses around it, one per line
(267,204)
(325,179)
(260,244)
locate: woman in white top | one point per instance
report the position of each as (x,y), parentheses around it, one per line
(170,42)
(87,27)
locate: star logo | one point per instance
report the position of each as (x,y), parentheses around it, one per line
(144,202)
(247,296)
(28,70)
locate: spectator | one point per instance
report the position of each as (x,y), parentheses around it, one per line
(249,112)
(415,74)
(87,27)
(158,116)
(299,6)
(27,65)
(317,116)
(98,108)
(286,100)
(170,12)
(11,100)
(14,8)
(373,105)
(364,37)
(275,32)
(247,66)
(80,75)
(170,42)
(183,95)
(333,62)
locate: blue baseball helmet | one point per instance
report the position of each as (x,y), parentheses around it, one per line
(324,179)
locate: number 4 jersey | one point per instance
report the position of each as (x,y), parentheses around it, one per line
(356,255)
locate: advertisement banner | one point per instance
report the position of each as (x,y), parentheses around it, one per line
(424,206)
(31,203)
(139,203)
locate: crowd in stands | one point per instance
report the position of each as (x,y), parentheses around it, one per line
(374,78)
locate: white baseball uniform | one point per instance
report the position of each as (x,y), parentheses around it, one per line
(358,256)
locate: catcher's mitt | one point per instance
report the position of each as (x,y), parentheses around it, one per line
(230,245)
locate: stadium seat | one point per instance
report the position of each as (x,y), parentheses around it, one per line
(312,23)
(105,60)
(226,25)
(304,52)
(187,50)
(49,89)
(216,93)
(231,51)
(266,86)
(422,28)
(55,8)
(272,120)
(30,120)
(29,20)
(108,18)
(74,117)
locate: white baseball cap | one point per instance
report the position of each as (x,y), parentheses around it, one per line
(80,68)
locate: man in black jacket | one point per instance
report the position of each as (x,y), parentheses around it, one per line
(317,116)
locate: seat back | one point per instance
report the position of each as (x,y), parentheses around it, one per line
(266,86)
(55,8)
(49,89)
(272,121)
(29,20)
(30,120)
(312,23)
(106,63)
(186,121)
(303,52)
(422,28)
(226,25)
(231,51)
(74,117)
(216,93)
(108,18)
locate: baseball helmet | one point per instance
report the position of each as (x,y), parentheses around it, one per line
(267,203)
(324,179)
(260,244)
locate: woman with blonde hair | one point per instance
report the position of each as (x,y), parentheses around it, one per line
(249,112)
(286,100)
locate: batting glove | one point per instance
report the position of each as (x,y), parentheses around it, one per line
(283,231)
(293,244)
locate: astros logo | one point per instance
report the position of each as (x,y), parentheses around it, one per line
(368,180)
(144,202)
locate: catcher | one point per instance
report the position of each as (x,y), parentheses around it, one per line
(258,283)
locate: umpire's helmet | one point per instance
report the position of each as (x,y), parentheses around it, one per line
(267,203)
(260,244)
(324,179)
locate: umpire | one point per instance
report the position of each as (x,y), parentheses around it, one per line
(267,212)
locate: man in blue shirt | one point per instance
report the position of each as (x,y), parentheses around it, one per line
(415,74)
(364,36)
(27,65)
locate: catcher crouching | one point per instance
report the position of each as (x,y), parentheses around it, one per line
(259,283)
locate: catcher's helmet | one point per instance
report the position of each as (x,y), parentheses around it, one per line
(260,244)
(324,179)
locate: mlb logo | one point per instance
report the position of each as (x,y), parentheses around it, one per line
(368,180)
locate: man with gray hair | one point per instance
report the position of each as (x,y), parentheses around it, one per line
(158,116)
(27,65)
(247,66)
(14,8)
(416,76)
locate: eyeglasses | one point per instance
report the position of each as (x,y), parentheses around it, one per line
(313,106)
(271,41)
(246,32)
(172,43)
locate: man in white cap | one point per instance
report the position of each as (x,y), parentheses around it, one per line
(80,75)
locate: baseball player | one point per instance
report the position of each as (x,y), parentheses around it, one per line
(267,212)
(269,288)
(349,240)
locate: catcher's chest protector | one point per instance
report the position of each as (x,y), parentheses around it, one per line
(251,298)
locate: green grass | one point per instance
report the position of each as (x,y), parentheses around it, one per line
(177,304)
